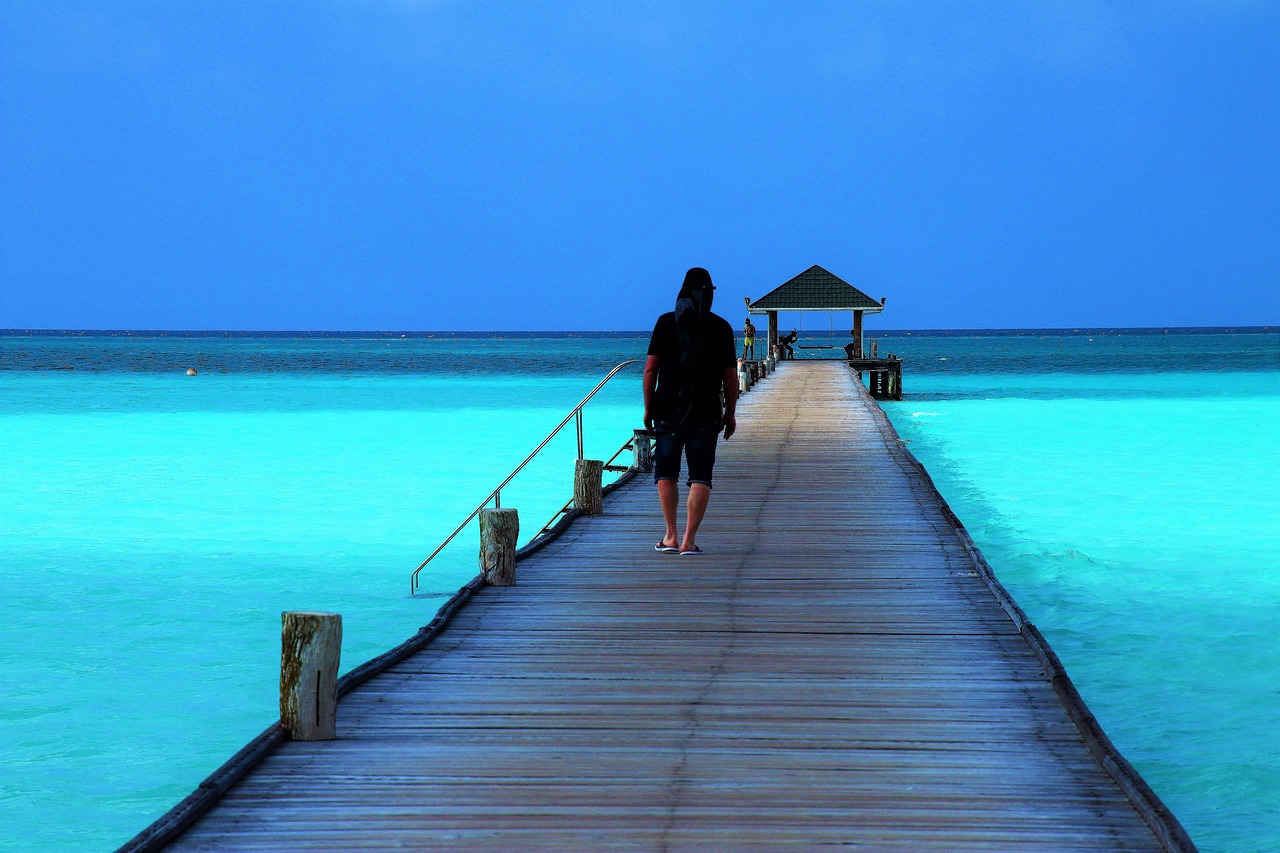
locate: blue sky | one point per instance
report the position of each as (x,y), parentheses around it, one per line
(557,165)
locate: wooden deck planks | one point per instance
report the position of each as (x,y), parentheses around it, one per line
(832,672)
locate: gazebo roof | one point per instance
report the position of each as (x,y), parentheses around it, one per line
(815,289)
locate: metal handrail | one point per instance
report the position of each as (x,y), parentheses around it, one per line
(496,494)
(629,444)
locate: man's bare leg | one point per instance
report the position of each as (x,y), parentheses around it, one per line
(669,498)
(699,494)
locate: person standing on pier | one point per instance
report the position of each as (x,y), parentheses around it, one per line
(690,396)
(749,339)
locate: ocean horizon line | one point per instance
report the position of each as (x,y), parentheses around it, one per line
(621,333)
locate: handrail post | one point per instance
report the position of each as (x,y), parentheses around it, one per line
(499,531)
(310,647)
(644,451)
(588,487)
(580,451)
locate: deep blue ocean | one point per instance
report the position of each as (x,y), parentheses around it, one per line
(153,526)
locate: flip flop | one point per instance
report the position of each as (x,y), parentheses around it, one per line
(693,552)
(665,549)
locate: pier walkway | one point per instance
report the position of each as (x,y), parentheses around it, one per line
(835,671)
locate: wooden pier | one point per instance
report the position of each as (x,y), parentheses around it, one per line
(839,669)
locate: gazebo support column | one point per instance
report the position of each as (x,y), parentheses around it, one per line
(857,334)
(773,330)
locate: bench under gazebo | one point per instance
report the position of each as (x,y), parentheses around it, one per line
(816,289)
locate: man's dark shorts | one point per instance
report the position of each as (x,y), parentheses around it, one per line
(698,442)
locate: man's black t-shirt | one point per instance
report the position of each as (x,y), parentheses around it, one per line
(716,352)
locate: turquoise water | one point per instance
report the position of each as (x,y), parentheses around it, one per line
(155,525)
(1136,518)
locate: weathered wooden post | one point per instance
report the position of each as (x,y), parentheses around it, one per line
(588,489)
(310,647)
(499,531)
(644,451)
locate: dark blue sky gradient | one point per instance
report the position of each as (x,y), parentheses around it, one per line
(422,165)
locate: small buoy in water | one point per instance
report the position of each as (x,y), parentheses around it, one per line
(191,371)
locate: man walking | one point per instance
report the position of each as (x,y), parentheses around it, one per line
(690,395)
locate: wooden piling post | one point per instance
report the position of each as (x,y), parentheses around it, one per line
(499,531)
(588,491)
(644,451)
(310,648)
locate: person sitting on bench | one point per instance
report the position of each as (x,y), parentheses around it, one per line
(785,342)
(853,345)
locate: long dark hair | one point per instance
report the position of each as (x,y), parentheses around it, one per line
(693,307)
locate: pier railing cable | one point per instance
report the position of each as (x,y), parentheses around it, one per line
(496,494)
